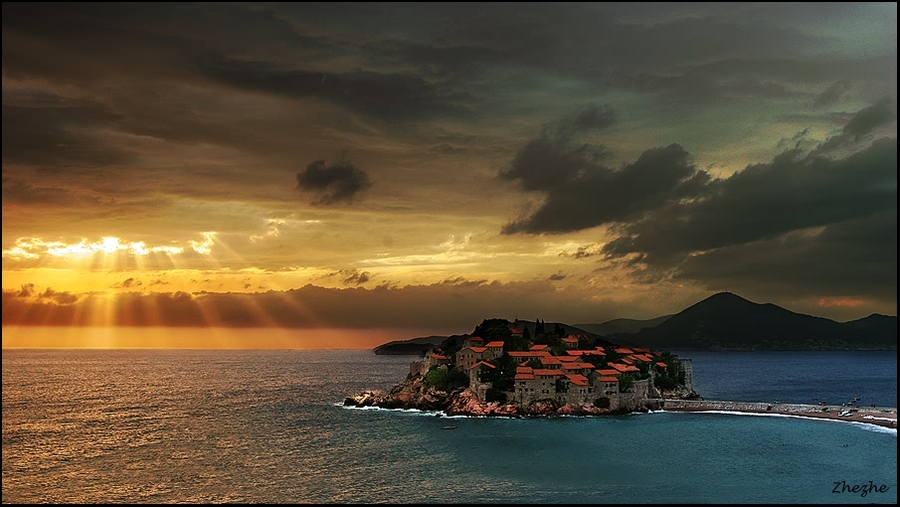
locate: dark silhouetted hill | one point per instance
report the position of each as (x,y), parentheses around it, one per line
(726,321)
(618,326)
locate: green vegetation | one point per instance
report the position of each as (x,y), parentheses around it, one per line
(446,379)
(664,382)
(644,369)
(626,382)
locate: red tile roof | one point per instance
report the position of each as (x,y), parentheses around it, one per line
(494,344)
(550,360)
(524,369)
(515,330)
(620,367)
(524,376)
(662,364)
(626,360)
(440,357)
(607,379)
(570,339)
(529,353)
(482,363)
(632,368)
(542,346)
(623,350)
(608,372)
(475,339)
(567,359)
(477,350)
(594,353)
(548,373)
(577,366)
(575,352)
(578,379)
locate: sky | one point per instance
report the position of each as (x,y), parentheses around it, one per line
(419,167)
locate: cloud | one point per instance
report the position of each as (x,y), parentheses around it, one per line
(459,304)
(866,120)
(805,222)
(58,134)
(377,94)
(339,182)
(583,192)
(355,277)
(128,283)
(832,94)
(27,290)
(60,298)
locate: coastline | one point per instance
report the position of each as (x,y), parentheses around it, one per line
(880,416)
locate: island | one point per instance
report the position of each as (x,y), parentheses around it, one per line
(501,370)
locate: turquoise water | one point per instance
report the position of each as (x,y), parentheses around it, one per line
(267,426)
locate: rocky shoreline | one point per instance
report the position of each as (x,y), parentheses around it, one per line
(413,394)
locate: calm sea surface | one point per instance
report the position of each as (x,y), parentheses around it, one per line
(162,426)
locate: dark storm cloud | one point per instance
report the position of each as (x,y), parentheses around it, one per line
(869,118)
(832,94)
(766,200)
(555,157)
(339,182)
(807,220)
(382,95)
(58,135)
(583,192)
(856,258)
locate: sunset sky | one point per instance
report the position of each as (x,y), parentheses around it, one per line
(420,167)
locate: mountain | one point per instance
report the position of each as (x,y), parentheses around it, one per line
(723,321)
(727,321)
(617,326)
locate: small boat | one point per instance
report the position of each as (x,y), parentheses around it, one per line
(449,428)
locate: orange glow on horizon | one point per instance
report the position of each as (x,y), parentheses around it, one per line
(841,302)
(199,338)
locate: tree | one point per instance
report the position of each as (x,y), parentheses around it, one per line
(585,343)
(602,402)
(626,382)
(526,334)
(446,379)
(664,382)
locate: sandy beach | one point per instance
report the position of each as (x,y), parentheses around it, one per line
(881,416)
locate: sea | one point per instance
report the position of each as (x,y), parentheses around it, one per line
(269,426)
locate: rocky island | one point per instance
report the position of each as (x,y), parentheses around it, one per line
(501,370)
